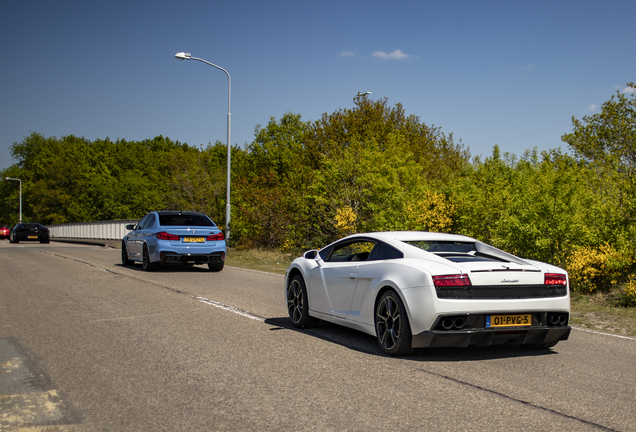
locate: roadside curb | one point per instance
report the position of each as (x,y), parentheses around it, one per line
(93,242)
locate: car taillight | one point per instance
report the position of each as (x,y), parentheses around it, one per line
(451,280)
(165,236)
(555,279)
(216,237)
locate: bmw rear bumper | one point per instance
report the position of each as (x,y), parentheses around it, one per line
(168,257)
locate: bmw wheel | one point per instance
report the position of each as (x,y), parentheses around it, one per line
(392,325)
(298,305)
(147,265)
(217,266)
(542,346)
(124,255)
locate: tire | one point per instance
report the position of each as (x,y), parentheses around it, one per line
(124,255)
(541,346)
(392,325)
(298,304)
(146,264)
(216,267)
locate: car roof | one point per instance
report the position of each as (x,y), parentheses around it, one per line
(177,212)
(404,236)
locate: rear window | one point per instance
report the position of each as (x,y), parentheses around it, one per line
(444,246)
(185,220)
(454,251)
(33,226)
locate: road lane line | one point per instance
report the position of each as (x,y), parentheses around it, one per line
(230,308)
(603,333)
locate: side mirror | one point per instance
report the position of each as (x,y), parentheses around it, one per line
(130,227)
(311,254)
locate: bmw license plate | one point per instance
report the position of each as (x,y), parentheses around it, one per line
(193,239)
(508,320)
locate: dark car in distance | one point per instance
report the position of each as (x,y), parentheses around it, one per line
(29,232)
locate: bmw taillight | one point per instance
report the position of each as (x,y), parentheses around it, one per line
(555,279)
(165,236)
(451,280)
(216,237)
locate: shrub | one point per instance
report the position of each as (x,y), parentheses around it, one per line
(597,269)
(628,297)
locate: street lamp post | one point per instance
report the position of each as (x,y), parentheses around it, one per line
(18,180)
(187,56)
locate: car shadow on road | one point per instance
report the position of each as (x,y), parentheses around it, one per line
(202,268)
(367,344)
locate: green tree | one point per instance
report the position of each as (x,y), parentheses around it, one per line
(606,142)
(375,122)
(271,184)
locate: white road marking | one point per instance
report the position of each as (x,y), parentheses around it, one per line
(230,308)
(602,333)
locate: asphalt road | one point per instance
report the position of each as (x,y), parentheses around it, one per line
(89,345)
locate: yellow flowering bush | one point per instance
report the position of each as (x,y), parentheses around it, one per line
(345,221)
(629,294)
(597,269)
(433,212)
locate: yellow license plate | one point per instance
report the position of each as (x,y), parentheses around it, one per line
(33,236)
(193,239)
(508,320)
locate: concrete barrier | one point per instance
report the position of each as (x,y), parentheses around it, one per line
(100,230)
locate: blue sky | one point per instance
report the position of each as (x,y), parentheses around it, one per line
(508,72)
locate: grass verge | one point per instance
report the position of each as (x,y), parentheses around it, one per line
(596,313)
(259,259)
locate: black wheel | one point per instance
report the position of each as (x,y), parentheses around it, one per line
(147,265)
(124,255)
(217,266)
(44,241)
(392,325)
(298,305)
(545,345)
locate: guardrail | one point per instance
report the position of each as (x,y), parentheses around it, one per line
(101,230)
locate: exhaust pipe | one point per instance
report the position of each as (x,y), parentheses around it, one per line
(557,319)
(450,323)
(447,323)
(459,323)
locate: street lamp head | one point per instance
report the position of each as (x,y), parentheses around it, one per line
(183,56)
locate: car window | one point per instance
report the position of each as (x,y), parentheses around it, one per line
(325,253)
(186,219)
(151,221)
(455,251)
(143,222)
(444,246)
(351,251)
(383,251)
